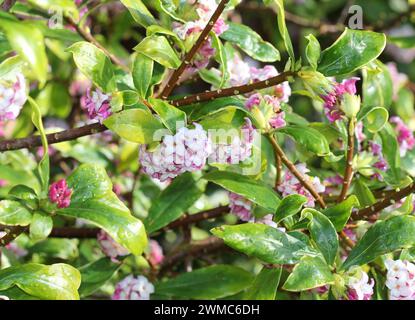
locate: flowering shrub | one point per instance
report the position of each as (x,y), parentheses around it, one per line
(263,149)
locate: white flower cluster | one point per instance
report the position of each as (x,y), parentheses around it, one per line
(12,97)
(360,287)
(189,149)
(400,279)
(132,288)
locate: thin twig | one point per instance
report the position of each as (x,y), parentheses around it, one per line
(175,78)
(348,172)
(291,167)
(382,204)
(12,233)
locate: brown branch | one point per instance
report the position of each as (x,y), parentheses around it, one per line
(69,232)
(66,135)
(348,172)
(175,78)
(201,216)
(194,250)
(233,91)
(291,167)
(12,233)
(382,204)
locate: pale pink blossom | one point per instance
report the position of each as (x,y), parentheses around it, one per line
(186,151)
(97,105)
(60,193)
(405,136)
(235,151)
(277,120)
(291,185)
(155,256)
(12,97)
(131,288)
(400,279)
(110,247)
(359,286)
(398,79)
(240,206)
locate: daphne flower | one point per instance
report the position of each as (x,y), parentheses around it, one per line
(110,247)
(405,136)
(132,288)
(333,100)
(360,136)
(155,256)
(186,151)
(332,183)
(291,185)
(235,151)
(400,279)
(3,183)
(97,105)
(240,206)
(359,287)
(12,97)
(60,193)
(277,120)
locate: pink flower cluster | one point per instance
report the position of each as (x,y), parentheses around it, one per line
(332,184)
(405,136)
(132,288)
(381,164)
(110,247)
(333,100)
(97,105)
(359,287)
(155,255)
(60,193)
(237,150)
(12,97)
(186,151)
(291,185)
(400,279)
(278,119)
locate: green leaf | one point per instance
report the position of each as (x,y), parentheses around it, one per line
(159,49)
(351,51)
(221,58)
(251,189)
(383,237)
(55,282)
(68,7)
(212,282)
(363,193)
(390,149)
(93,200)
(278,5)
(171,117)
(60,248)
(313,51)
(94,64)
(265,285)
(135,125)
(289,206)
(40,227)
(10,67)
(309,138)
(310,273)
(13,213)
(225,119)
(340,213)
(173,202)
(251,43)
(155,29)
(322,233)
(142,74)
(203,109)
(168,7)
(44,164)
(376,119)
(263,242)
(377,85)
(27,40)
(95,274)
(139,12)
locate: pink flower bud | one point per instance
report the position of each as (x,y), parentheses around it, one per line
(240,206)
(132,288)
(96,105)
(156,256)
(60,193)
(404,134)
